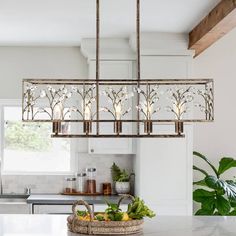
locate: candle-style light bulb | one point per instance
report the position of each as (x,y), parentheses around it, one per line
(149,111)
(58,111)
(118,115)
(179,110)
(118,111)
(57,118)
(86,107)
(87,112)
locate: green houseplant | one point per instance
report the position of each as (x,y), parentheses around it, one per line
(121,178)
(216,195)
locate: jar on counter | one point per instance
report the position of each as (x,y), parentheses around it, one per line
(91,180)
(70,185)
(80,183)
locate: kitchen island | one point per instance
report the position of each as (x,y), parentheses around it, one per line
(55,225)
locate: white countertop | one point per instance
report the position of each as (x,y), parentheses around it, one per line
(48,225)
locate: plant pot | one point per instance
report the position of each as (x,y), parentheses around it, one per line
(122,187)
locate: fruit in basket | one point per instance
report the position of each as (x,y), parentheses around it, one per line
(83,215)
(138,210)
(125,217)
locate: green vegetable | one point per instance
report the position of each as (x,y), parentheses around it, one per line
(114,212)
(138,210)
(119,175)
(82,213)
(99,217)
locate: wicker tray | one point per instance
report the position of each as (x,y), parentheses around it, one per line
(102,227)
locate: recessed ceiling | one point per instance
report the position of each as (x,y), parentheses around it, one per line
(65,22)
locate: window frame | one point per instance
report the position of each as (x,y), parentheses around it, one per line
(73,152)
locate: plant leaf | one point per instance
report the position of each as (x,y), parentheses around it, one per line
(201,170)
(200,195)
(222,205)
(197,154)
(233,203)
(229,187)
(200,183)
(225,164)
(204,212)
(209,203)
(232,213)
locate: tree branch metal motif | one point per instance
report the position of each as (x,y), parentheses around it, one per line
(150,99)
(208,98)
(179,97)
(54,97)
(58,96)
(87,97)
(118,100)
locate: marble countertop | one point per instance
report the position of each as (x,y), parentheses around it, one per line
(55,225)
(64,199)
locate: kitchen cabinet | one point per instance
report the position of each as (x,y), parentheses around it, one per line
(52,209)
(111,70)
(163,167)
(14,208)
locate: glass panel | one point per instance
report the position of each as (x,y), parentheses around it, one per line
(28,147)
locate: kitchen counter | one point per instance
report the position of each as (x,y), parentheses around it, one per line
(54,225)
(69,200)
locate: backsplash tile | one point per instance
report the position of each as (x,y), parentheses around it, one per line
(54,183)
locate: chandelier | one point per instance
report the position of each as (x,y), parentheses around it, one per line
(117,107)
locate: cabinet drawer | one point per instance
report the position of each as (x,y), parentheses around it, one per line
(52,209)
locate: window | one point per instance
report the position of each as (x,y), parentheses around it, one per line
(28,147)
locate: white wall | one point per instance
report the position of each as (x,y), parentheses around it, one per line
(17,63)
(219,62)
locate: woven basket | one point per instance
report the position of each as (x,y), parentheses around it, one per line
(102,227)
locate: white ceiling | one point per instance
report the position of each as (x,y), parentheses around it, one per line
(65,22)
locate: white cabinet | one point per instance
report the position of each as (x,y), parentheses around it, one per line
(14,208)
(163,167)
(52,209)
(111,70)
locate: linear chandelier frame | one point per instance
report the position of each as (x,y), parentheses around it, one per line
(49,100)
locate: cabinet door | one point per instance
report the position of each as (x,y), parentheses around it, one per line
(111,70)
(163,167)
(14,208)
(52,209)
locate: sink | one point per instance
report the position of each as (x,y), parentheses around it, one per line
(13,198)
(14,195)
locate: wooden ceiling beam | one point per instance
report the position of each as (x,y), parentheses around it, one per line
(214,26)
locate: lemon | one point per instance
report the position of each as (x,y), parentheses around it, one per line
(125,217)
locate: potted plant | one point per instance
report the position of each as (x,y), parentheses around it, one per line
(121,178)
(217,195)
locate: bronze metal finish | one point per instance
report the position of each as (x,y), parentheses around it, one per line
(56,127)
(179,127)
(148,127)
(118,127)
(87,127)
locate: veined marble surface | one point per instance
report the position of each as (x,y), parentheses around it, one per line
(55,225)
